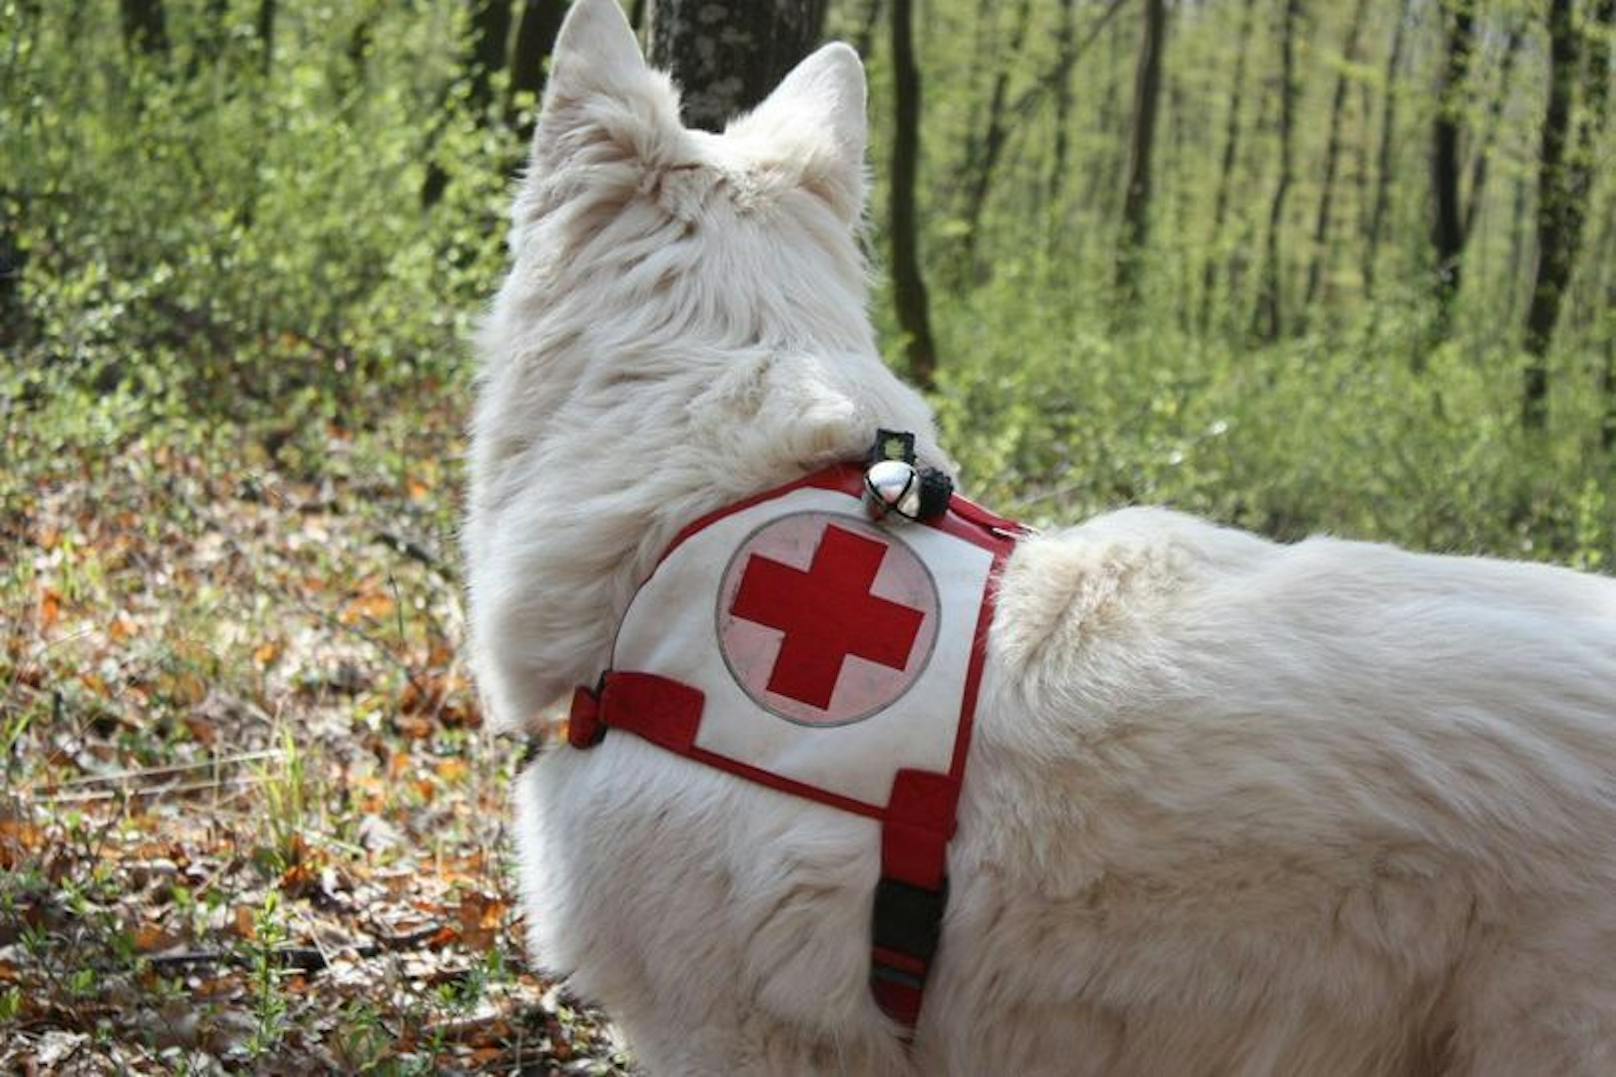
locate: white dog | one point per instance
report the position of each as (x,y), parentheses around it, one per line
(1232,807)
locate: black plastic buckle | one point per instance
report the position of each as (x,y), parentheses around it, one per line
(909,919)
(893,445)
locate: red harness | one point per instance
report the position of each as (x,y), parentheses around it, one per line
(813,619)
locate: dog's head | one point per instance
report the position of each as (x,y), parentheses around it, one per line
(684,324)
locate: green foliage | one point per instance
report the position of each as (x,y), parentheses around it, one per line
(1308,435)
(204,227)
(1371,416)
(230,228)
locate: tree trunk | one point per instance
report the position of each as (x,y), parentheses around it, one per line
(210,37)
(1517,243)
(490,37)
(1383,157)
(535,37)
(1563,187)
(1231,152)
(1495,115)
(1607,426)
(1606,312)
(1447,227)
(908,286)
(490,28)
(1270,312)
(1141,145)
(145,29)
(1103,179)
(864,42)
(726,55)
(983,157)
(1065,41)
(1332,157)
(266,35)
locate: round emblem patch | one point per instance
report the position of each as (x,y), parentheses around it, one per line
(825,619)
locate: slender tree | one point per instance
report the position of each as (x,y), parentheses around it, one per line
(1607,378)
(145,26)
(490,38)
(264,24)
(724,73)
(908,286)
(489,26)
(864,40)
(1061,73)
(1102,180)
(1065,42)
(1563,186)
(212,33)
(1383,156)
(1141,144)
(1269,309)
(1447,227)
(1481,159)
(1332,156)
(983,156)
(1231,152)
(535,36)
(1517,243)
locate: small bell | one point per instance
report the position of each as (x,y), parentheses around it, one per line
(892,486)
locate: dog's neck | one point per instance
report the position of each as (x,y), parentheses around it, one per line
(577,517)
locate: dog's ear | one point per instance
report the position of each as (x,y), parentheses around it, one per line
(814,122)
(600,92)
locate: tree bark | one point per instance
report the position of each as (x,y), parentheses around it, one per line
(726,55)
(1447,227)
(1517,243)
(1607,376)
(1495,115)
(265,26)
(983,157)
(1383,157)
(1141,145)
(1231,152)
(490,28)
(1270,312)
(145,28)
(864,41)
(535,38)
(1332,157)
(1563,187)
(1103,179)
(908,286)
(1065,41)
(490,37)
(1607,426)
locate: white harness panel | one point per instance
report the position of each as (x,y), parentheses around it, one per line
(832,651)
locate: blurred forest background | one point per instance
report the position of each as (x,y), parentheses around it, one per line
(1296,265)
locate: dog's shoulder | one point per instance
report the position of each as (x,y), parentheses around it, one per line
(1111,578)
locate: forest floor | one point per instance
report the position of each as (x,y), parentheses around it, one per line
(249,822)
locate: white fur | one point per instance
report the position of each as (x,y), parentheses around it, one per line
(1233,807)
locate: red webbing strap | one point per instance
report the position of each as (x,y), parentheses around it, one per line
(913,891)
(664,711)
(915,828)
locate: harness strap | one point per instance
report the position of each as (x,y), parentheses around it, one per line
(916,825)
(913,891)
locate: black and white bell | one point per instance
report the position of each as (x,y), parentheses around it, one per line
(892,486)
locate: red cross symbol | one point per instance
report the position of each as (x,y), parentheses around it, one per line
(826,613)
